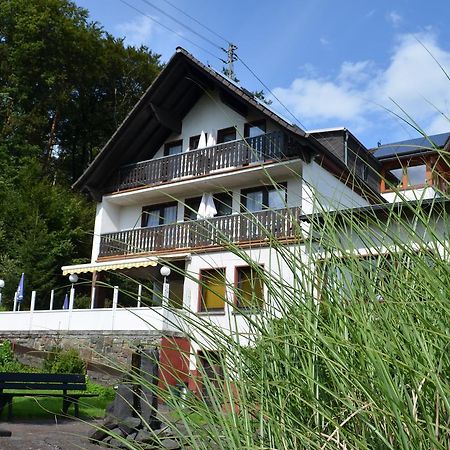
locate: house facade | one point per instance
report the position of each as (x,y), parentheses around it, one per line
(200,178)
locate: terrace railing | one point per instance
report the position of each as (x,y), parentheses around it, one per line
(194,163)
(214,232)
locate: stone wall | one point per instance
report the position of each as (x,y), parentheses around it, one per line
(107,353)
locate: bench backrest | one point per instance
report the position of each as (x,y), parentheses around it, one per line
(43,381)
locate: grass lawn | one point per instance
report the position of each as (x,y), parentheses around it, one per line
(45,407)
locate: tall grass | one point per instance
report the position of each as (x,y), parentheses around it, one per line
(351,348)
(350,351)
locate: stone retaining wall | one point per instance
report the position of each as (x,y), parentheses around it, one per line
(104,351)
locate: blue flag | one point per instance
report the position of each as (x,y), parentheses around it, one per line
(20,289)
(66,302)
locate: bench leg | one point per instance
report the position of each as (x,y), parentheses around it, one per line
(67,401)
(6,400)
(66,404)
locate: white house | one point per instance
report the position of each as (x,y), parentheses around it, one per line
(200,165)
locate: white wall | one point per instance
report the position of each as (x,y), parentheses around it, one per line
(209,114)
(228,321)
(321,190)
(410,194)
(107,219)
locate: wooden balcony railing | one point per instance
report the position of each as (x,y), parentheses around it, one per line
(214,232)
(193,163)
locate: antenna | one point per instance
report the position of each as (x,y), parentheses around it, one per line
(231,58)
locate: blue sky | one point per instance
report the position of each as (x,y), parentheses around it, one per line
(332,63)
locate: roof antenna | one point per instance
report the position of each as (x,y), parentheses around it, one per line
(231,58)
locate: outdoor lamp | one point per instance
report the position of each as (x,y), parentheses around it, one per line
(73,278)
(2,285)
(165,271)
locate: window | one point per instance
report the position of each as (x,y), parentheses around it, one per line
(193,142)
(264,197)
(411,174)
(191,207)
(223,202)
(173,148)
(254,129)
(249,288)
(416,175)
(398,174)
(212,290)
(226,135)
(155,215)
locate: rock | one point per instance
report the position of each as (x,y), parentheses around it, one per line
(103,432)
(145,437)
(129,424)
(170,444)
(115,443)
(123,402)
(149,373)
(132,436)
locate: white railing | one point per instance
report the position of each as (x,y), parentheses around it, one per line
(116,318)
(101,319)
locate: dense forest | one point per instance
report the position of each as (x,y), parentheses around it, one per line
(65,85)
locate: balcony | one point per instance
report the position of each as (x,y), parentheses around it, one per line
(194,234)
(194,163)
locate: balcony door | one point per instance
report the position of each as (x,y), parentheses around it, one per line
(157,220)
(259,204)
(254,134)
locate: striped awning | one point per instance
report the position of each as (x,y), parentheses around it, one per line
(109,265)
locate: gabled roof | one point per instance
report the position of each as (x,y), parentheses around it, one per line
(160,110)
(411,147)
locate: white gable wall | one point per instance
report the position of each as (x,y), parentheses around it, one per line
(209,115)
(321,190)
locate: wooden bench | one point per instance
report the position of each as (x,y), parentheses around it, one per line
(26,385)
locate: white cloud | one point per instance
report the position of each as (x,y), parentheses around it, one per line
(394,18)
(358,94)
(137,32)
(324,41)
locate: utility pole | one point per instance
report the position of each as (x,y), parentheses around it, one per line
(231,58)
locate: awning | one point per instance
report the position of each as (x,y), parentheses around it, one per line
(109,265)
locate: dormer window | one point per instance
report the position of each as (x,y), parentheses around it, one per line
(226,135)
(173,148)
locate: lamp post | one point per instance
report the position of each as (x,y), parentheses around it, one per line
(2,285)
(165,272)
(73,278)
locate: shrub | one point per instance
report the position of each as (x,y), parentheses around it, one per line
(64,361)
(8,362)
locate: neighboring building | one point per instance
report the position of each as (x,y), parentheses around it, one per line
(417,167)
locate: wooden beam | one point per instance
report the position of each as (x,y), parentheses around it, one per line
(167,118)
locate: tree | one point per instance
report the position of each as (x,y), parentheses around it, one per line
(65,85)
